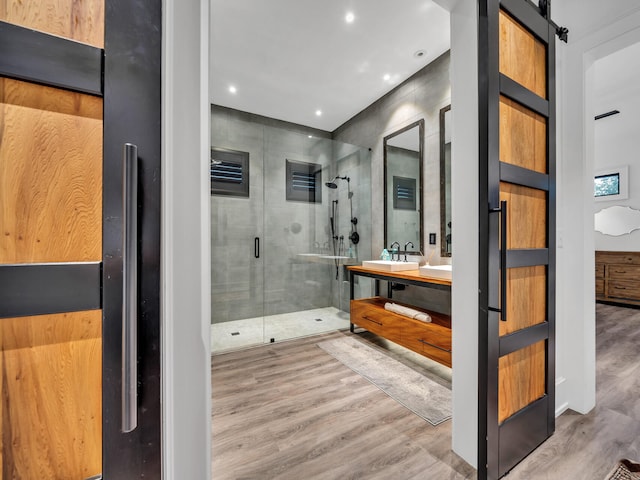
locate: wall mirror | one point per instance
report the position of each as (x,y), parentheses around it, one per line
(445,181)
(617,220)
(403,159)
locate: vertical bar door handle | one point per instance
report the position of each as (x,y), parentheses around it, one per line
(129,288)
(256,247)
(503,260)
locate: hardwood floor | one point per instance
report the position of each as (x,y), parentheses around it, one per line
(588,446)
(291,411)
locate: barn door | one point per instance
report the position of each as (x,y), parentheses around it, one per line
(517,289)
(78,80)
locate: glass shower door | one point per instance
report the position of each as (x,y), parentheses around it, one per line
(237,219)
(280,237)
(297,280)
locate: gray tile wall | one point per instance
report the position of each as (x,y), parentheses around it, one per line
(420,97)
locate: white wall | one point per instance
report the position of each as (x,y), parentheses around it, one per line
(617,138)
(464,194)
(186,368)
(595,31)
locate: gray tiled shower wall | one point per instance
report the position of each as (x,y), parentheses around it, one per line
(281,280)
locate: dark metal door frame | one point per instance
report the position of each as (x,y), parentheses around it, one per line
(500,447)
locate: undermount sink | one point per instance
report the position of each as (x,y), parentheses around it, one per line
(436,271)
(390,265)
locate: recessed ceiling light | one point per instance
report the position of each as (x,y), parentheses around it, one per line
(387,77)
(232,89)
(349,17)
(318,112)
(420,53)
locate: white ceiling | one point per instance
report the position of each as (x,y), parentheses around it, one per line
(290,58)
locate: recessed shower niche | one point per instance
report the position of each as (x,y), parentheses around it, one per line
(278,254)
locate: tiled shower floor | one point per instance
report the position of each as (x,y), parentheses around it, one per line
(237,334)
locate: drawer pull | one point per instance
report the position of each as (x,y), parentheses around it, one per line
(620,271)
(618,287)
(371,320)
(434,346)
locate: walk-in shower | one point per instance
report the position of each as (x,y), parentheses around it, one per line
(289,211)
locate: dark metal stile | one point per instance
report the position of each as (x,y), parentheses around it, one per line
(132,114)
(551,215)
(487,48)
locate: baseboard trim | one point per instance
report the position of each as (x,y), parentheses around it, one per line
(562,408)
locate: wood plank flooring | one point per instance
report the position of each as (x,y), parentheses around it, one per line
(587,447)
(291,411)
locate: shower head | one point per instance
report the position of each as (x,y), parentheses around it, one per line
(333,184)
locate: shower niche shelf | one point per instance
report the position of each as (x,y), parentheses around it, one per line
(431,339)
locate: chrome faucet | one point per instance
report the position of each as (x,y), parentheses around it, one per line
(405,250)
(397,250)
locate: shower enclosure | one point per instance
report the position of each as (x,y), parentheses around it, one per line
(289,210)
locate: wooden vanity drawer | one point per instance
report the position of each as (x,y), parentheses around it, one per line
(599,270)
(416,333)
(376,320)
(599,286)
(436,354)
(431,339)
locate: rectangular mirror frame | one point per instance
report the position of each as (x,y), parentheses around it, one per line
(387,198)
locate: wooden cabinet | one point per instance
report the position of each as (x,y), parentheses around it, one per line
(431,339)
(618,277)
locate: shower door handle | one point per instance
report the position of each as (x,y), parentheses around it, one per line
(129,288)
(256,247)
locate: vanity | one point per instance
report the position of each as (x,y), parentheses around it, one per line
(431,339)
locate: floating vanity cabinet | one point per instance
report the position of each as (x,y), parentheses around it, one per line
(618,277)
(431,339)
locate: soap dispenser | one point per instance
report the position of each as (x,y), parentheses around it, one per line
(385,255)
